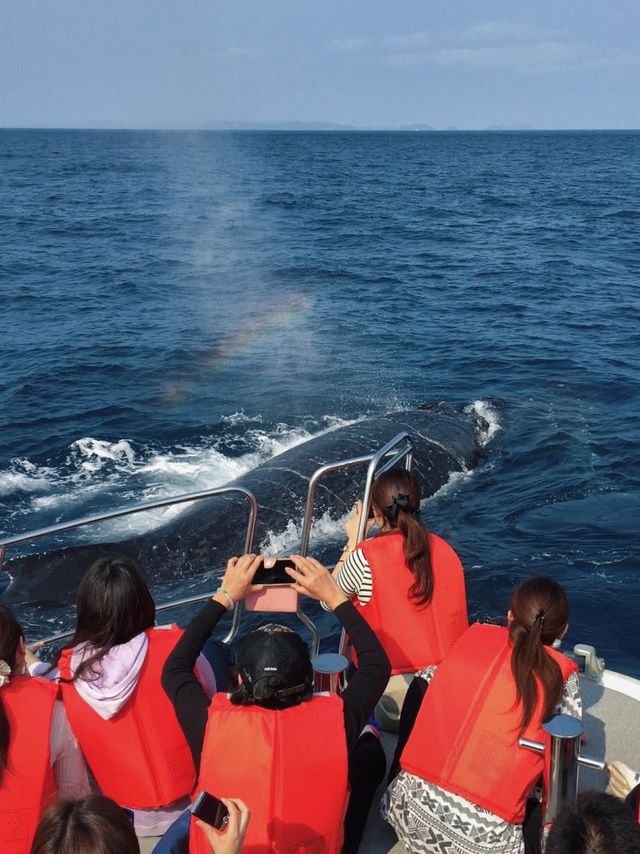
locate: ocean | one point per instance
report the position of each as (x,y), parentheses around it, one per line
(178,307)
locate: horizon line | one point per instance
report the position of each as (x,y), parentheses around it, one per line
(251,127)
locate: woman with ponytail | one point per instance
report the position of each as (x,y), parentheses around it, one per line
(407,582)
(39,755)
(464,782)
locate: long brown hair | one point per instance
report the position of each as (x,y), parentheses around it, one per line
(10,636)
(396,494)
(114,605)
(539,615)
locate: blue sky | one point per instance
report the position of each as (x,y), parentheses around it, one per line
(185,63)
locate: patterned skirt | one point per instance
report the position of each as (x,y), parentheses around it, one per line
(430,820)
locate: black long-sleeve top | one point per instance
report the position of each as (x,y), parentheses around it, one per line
(192,704)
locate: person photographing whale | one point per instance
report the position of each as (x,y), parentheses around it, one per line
(283,750)
(406,581)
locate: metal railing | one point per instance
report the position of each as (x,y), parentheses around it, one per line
(399,449)
(239,610)
(141,508)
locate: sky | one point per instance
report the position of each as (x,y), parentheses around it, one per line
(469,64)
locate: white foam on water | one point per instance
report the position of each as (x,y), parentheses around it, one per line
(454,481)
(95,453)
(325,529)
(198,467)
(240,418)
(21,481)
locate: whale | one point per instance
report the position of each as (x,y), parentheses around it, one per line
(200,539)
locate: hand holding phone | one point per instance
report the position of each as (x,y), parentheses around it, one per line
(237,579)
(210,809)
(231,841)
(276,591)
(313,579)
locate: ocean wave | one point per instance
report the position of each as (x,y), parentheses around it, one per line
(240,418)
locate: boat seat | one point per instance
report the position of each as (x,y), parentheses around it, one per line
(390,704)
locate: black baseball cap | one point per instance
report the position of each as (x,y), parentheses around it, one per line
(276,651)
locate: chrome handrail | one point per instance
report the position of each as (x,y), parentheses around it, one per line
(373,460)
(376,466)
(166,606)
(374,470)
(239,610)
(140,508)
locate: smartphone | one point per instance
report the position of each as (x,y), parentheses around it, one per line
(275,575)
(210,809)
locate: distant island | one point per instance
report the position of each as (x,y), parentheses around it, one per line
(329,126)
(227,125)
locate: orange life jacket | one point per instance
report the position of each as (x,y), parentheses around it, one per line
(289,766)
(140,756)
(414,636)
(28,783)
(465,738)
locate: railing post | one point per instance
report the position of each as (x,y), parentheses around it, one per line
(562,751)
(327,671)
(563,740)
(375,466)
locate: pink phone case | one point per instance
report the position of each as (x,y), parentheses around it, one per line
(275,597)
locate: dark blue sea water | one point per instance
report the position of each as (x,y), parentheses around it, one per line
(178,307)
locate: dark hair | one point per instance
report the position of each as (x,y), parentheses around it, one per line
(597,823)
(10,636)
(114,605)
(90,825)
(275,668)
(396,494)
(540,613)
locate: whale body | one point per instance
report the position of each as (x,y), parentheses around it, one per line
(201,538)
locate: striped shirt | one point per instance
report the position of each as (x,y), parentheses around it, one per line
(354,577)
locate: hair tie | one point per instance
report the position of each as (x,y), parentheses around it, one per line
(398,502)
(5,672)
(539,618)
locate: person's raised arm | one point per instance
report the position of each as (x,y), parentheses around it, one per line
(372,674)
(178,678)
(351,528)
